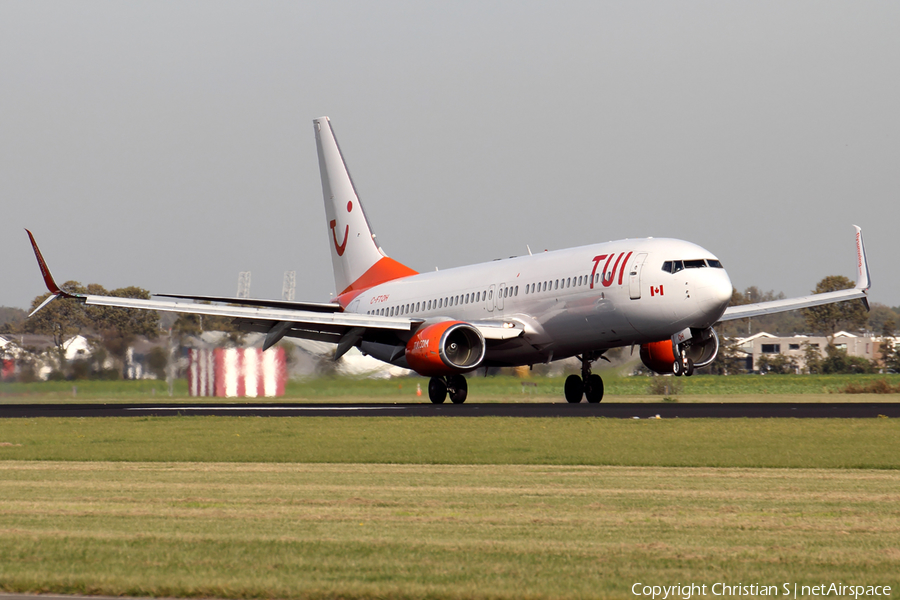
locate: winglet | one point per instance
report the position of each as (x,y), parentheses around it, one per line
(48,278)
(863,282)
(55,291)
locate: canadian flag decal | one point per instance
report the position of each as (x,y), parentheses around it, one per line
(656,291)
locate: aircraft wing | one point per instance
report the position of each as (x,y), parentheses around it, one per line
(274,318)
(863,283)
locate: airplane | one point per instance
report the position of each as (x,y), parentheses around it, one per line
(661,295)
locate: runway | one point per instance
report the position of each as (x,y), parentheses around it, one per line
(613,410)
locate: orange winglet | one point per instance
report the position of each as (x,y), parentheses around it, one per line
(48,278)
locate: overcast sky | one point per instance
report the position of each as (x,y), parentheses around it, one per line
(170,145)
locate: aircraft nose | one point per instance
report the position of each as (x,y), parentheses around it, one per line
(716,295)
(722,290)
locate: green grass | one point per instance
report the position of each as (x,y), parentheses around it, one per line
(362,507)
(699,388)
(411,531)
(794,443)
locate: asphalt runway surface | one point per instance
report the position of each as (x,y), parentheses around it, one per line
(612,410)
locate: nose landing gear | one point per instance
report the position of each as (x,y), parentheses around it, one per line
(588,385)
(682,365)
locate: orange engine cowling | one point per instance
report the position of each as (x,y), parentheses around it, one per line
(658,356)
(445,348)
(702,349)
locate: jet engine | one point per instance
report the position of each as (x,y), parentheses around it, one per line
(445,348)
(702,349)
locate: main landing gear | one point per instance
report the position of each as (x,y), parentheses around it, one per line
(588,385)
(453,385)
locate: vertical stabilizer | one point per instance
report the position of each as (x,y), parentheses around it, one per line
(357,260)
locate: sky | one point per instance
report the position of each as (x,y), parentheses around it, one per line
(169,145)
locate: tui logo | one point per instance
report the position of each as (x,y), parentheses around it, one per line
(343,245)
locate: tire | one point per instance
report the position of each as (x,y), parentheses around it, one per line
(574,389)
(437,390)
(678,368)
(690,368)
(459,388)
(594,389)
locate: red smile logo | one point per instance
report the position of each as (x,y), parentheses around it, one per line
(342,246)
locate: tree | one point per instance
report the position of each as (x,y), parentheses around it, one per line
(838,361)
(10,318)
(879,315)
(812,358)
(191,324)
(831,318)
(117,327)
(60,319)
(776,363)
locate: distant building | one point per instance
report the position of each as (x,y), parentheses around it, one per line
(795,347)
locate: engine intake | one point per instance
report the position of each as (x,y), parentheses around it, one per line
(445,348)
(702,349)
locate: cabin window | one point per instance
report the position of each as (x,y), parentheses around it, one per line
(694,264)
(517,291)
(491,295)
(526,289)
(715,264)
(477,296)
(556,286)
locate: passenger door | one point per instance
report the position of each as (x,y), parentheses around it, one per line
(634,275)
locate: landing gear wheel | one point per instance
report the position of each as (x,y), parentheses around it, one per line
(689,368)
(437,390)
(678,368)
(458,388)
(594,389)
(574,389)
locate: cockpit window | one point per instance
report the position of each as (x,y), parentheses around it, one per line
(673,266)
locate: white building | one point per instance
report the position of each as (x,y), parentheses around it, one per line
(795,347)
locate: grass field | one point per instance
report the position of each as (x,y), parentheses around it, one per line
(745,443)
(699,388)
(411,531)
(443,508)
(246,507)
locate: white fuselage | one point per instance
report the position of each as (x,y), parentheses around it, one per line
(568,301)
